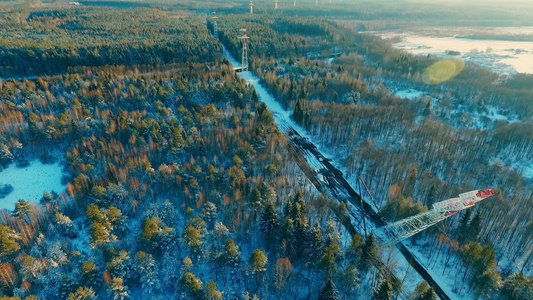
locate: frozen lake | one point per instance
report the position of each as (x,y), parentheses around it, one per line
(30,182)
(504,57)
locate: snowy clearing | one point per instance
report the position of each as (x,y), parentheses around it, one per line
(409,94)
(30,182)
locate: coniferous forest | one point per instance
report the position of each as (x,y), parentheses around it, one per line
(179,182)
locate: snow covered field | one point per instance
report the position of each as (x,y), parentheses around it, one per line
(504,57)
(30,182)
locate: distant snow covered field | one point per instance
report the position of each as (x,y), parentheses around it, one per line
(504,57)
(30,182)
(410,94)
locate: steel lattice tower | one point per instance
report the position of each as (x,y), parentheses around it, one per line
(251,7)
(215,26)
(244,39)
(276,7)
(400,230)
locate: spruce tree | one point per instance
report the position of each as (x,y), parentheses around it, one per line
(313,242)
(369,252)
(328,292)
(384,291)
(269,223)
(462,228)
(474,227)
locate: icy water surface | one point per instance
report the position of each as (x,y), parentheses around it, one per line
(506,57)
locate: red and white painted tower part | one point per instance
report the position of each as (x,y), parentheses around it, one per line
(251,7)
(215,25)
(402,229)
(244,37)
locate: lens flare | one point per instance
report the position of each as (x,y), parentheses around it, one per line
(443,70)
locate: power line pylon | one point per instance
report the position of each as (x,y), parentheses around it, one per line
(276,7)
(215,26)
(400,230)
(244,37)
(294,3)
(251,7)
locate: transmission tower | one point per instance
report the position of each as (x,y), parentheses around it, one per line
(276,7)
(215,26)
(294,3)
(400,230)
(251,7)
(244,39)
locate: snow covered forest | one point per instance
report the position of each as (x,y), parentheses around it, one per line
(176,182)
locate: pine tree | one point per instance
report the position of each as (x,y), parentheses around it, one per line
(192,284)
(211,292)
(150,228)
(430,199)
(8,240)
(488,282)
(231,255)
(518,287)
(255,198)
(369,252)
(298,113)
(210,214)
(332,235)
(462,228)
(355,246)
(192,238)
(257,262)
(120,292)
(82,293)
(424,292)
(313,242)
(89,274)
(328,292)
(298,237)
(327,262)
(299,200)
(384,291)
(350,279)
(24,210)
(474,227)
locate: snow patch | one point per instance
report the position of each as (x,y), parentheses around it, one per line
(409,94)
(30,182)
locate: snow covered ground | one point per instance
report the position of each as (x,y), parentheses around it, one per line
(30,182)
(523,167)
(447,283)
(505,57)
(409,94)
